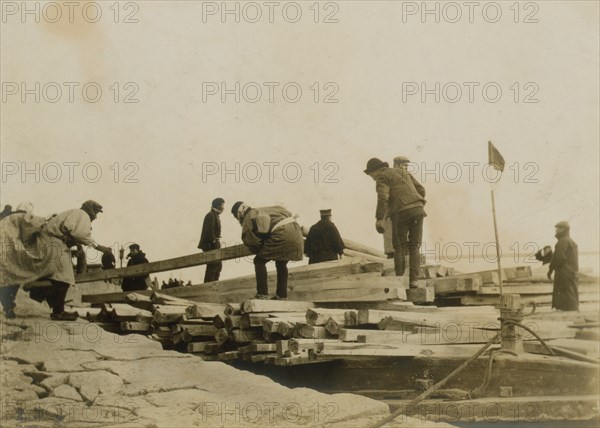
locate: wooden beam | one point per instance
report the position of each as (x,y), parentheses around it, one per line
(227,253)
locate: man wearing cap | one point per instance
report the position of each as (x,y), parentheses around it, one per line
(271,233)
(565,265)
(40,249)
(136,257)
(401,198)
(323,242)
(210,238)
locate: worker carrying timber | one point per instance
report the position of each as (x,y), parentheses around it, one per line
(565,265)
(323,242)
(210,239)
(136,257)
(401,198)
(33,248)
(271,233)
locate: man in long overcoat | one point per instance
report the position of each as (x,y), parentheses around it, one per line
(136,257)
(271,233)
(210,239)
(323,242)
(565,265)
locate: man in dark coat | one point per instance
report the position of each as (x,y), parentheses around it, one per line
(402,198)
(210,238)
(271,233)
(323,242)
(565,265)
(136,257)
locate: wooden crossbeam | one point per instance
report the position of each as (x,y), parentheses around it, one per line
(228,253)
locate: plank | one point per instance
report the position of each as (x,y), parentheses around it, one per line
(350,295)
(204,310)
(232,309)
(457,284)
(319,316)
(421,294)
(258,347)
(234,321)
(168,314)
(257,305)
(197,347)
(341,281)
(192,333)
(304,330)
(133,326)
(228,253)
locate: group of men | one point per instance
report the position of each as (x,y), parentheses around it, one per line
(38,248)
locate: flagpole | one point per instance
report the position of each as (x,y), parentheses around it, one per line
(496,236)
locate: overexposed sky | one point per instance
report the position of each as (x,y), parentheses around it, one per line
(178,137)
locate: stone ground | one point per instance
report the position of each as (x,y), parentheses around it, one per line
(74,374)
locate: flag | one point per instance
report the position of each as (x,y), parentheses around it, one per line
(494,157)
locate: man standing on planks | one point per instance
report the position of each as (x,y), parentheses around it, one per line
(565,264)
(401,163)
(401,198)
(210,238)
(323,242)
(136,257)
(271,233)
(34,248)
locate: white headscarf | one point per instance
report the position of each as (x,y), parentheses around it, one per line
(26,206)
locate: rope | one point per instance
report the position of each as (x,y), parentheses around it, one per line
(438,385)
(518,324)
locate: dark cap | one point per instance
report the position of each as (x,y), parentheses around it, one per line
(134,247)
(374,164)
(216,203)
(563,224)
(235,207)
(325,212)
(91,206)
(401,159)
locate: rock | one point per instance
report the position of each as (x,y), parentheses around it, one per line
(101,380)
(15,396)
(66,391)
(89,392)
(181,397)
(68,361)
(53,381)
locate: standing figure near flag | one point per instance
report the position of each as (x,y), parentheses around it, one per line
(402,198)
(565,265)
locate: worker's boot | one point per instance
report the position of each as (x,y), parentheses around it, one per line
(261,296)
(64,316)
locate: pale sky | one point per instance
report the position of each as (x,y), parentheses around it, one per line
(368,61)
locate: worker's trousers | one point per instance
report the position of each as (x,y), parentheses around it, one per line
(262,287)
(407,237)
(213,271)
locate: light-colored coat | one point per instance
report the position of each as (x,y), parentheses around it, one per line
(264,238)
(32,250)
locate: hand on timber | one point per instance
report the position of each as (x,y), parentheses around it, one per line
(379,226)
(103,249)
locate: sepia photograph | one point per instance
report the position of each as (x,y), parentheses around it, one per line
(309,213)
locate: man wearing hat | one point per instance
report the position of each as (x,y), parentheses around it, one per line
(210,238)
(271,233)
(323,242)
(401,198)
(565,265)
(136,257)
(40,249)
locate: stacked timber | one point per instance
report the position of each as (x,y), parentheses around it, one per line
(346,280)
(483,288)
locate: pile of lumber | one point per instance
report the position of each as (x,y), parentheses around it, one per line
(483,288)
(295,332)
